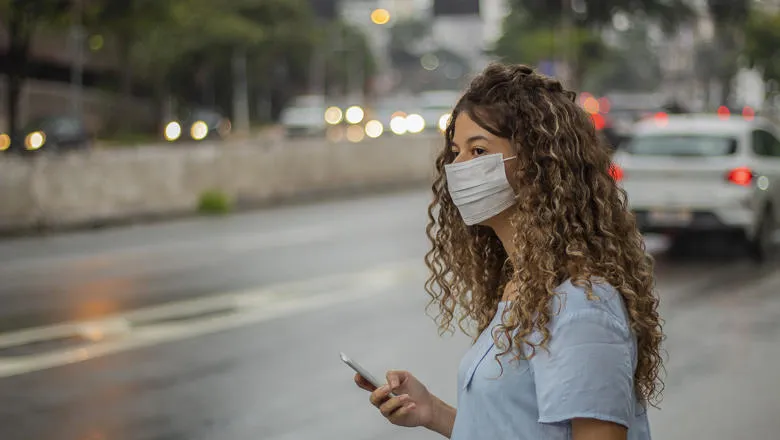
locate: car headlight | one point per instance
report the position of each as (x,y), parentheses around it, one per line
(398,125)
(334,115)
(444,121)
(415,123)
(5,142)
(172,131)
(199,130)
(355,114)
(374,129)
(35,140)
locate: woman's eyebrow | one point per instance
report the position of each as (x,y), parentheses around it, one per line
(472,139)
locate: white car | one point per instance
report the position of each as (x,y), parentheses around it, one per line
(689,173)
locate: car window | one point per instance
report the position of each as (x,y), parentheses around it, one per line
(66,127)
(765,144)
(682,145)
(774,144)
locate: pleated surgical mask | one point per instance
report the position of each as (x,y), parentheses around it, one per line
(479,187)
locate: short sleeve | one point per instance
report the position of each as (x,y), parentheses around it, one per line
(588,371)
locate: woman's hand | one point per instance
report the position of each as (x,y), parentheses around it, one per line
(413,405)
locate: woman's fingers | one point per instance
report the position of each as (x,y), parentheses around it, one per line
(379,395)
(395,378)
(403,411)
(391,405)
(363,383)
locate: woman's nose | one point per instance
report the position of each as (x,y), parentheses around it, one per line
(461,157)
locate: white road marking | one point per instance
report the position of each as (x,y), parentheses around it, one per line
(147,327)
(128,331)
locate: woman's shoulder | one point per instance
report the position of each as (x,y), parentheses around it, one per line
(599,300)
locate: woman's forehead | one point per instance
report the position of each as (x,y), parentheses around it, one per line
(466,127)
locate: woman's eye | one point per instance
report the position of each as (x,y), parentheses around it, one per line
(479,151)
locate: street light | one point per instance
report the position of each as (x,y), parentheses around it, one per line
(380,16)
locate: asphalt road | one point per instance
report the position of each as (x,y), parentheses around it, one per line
(257,307)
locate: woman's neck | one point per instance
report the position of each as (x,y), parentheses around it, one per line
(501,224)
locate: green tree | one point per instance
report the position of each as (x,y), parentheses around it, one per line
(632,66)
(22,18)
(349,62)
(127,21)
(571,30)
(762,43)
(529,42)
(600,12)
(167,43)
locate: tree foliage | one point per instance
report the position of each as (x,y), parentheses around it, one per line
(534,29)
(530,42)
(160,43)
(632,67)
(600,12)
(762,43)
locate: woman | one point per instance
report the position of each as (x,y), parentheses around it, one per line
(533,243)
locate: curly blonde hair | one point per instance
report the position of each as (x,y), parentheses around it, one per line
(570,222)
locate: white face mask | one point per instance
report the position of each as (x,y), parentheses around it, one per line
(479,187)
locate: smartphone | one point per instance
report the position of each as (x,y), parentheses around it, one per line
(362,371)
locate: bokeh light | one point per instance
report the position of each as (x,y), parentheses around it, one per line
(5,142)
(374,129)
(333,115)
(444,121)
(355,115)
(355,133)
(398,125)
(172,131)
(380,16)
(415,123)
(35,140)
(591,105)
(199,130)
(723,112)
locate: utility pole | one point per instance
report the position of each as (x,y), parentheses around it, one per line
(77,58)
(317,64)
(240,92)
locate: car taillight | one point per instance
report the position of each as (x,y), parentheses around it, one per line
(616,172)
(742,176)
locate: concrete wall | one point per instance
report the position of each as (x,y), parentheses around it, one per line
(113,185)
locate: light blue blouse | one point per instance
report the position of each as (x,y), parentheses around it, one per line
(588,373)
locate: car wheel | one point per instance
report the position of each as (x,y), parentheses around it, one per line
(762,246)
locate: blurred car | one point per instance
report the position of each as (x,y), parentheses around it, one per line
(306,116)
(201,124)
(437,106)
(54,133)
(689,173)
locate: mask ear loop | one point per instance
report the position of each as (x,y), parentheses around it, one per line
(510,158)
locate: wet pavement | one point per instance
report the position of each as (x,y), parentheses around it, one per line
(258,306)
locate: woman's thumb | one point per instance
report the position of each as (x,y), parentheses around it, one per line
(396,378)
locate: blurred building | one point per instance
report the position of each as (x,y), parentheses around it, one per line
(47,89)
(680,58)
(469,27)
(493,14)
(454,25)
